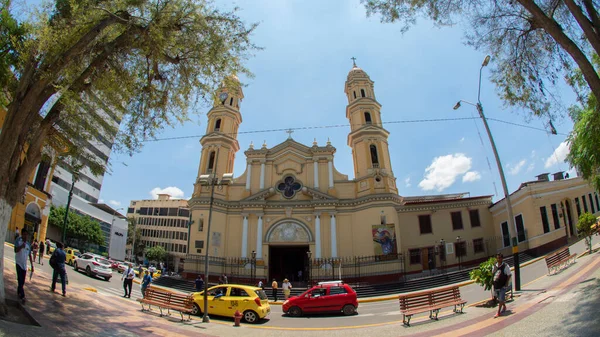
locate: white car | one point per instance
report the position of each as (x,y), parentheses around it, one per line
(94,265)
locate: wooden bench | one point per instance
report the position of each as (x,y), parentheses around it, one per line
(559,260)
(432,301)
(164,299)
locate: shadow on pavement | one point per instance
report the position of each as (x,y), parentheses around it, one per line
(583,320)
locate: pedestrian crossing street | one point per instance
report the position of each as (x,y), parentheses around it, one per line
(136,292)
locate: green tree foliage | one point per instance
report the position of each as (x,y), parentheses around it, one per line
(533,43)
(483,275)
(139,246)
(156,253)
(80,229)
(12,35)
(584,228)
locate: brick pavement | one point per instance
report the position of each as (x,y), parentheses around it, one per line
(84,313)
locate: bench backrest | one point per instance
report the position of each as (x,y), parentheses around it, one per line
(158,295)
(559,256)
(181,300)
(429,298)
(444,295)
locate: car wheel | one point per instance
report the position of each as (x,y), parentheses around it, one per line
(107,279)
(88,271)
(349,309)
(196,310)
(295,312)
(250,316)
(75,266)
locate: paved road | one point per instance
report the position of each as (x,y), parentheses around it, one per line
(368,313)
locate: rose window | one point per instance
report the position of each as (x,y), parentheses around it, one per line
(289,186)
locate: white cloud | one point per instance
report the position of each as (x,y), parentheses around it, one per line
(444,170)
(514,170)
(531,167)
(462,139)
(407,182)
(174,192)
(532,153)
(558,156)
(471,176)
(114,203)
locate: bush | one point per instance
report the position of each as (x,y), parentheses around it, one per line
(484,276)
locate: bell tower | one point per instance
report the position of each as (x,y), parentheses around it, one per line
(220,143)
(367,137)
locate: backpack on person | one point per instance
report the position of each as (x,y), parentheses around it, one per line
(500,281)
(53,262)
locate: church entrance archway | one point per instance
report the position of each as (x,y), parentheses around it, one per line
(289,241)
(287,262)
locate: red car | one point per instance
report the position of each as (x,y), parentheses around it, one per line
(334,296)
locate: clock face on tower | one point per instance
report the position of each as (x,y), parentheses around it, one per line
(223,96)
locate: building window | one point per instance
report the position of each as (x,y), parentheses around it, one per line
(368,117)
(474,217)
(199,244)
(591,203)
(520,228)
(585,208)
(289,186)
(354,94)
(457,222)
(211,162)
(425,224)
(555,216)
(231,101)
(505,234)
(42,174)
(478,246)
(200,225)
(415,256)
(597,203)
(374,157)
(544,216)
(218,124)
(578,207)
(362,93)
(460,248)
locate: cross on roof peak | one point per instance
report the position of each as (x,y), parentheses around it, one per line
(353,61)
(289,132)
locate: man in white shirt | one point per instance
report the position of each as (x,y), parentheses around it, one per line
(127,278)
(22,253)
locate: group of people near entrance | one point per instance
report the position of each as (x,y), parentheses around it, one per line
(286,286)
(24,251)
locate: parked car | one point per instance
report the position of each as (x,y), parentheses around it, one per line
(335,296)
(71,255)
(121,267)
(114,264)
(225,299)
(94,265)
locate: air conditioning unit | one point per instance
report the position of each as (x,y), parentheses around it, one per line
(199,251)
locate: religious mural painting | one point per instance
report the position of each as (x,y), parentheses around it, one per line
(384,239)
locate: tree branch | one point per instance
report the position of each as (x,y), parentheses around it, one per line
(585,24)
(593,14)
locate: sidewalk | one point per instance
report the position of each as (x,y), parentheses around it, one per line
(85,313)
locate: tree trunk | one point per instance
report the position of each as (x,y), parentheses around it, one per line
(5,213)
(556,32)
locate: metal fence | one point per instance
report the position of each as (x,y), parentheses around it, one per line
(358,269)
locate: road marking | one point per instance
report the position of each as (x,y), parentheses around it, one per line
(91,289)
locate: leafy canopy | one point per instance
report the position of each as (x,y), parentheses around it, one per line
(156,253)
(81,229)
(585,228)
(139,245)
(484,274)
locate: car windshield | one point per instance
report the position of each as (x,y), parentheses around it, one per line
(102,261)
(261,294)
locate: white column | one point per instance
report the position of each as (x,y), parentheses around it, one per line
(316,173)
(245,236)
(259,237)
(248,175)
(262,175)
(333,236)
(317,236)
(330,167)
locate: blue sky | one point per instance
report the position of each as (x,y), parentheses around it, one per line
(299,82)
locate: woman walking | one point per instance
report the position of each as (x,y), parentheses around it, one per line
(34,249)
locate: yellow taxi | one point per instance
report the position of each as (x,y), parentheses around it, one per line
(52,247)
(136,271)
(225,299)
(72,254)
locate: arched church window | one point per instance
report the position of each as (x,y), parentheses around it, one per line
(368,117)
(211,162)
(374,157)
(362,93)
(354,94)
(231,101)
(289,186)
(218,124)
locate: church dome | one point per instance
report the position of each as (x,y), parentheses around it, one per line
(357,73)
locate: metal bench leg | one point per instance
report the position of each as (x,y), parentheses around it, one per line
(406,319)
(161,313)
(181,316)
(461,308)
(437,311)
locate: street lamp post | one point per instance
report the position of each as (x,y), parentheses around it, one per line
(309,254)
(458,250)
(442,254)
(509,209)
(253,266)
(211,180)
(75,177)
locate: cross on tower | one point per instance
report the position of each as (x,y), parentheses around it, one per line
(289,132)
(353,60)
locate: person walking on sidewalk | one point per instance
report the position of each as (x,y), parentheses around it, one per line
(145,283)
(502,275)
(41,256)
(34,249)
(199,283)
(57,262)
(22,253)
(274,287)
(287,287)
(127,278)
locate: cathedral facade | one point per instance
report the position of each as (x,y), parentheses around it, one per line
(292,214)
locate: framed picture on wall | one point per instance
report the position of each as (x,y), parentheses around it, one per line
(449,248)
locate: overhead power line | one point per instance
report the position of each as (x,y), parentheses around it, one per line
(431,120)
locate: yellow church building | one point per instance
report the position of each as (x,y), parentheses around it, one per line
(291,214)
